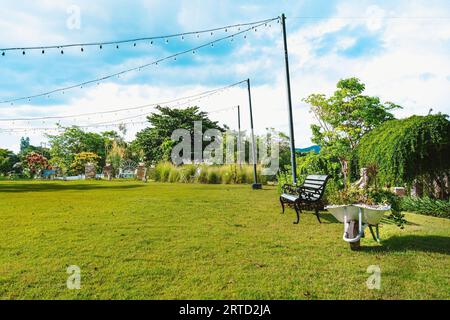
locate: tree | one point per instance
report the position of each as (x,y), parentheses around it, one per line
(344,118)
(83,158)
(156,139)
(7,161)
(73,141)
(35,163)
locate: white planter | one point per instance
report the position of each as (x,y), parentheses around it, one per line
(345,212)
(372,215)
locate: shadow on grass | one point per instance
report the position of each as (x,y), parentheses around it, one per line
(432,244)
(45,187)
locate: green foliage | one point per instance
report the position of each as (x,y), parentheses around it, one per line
(315,163)
(403,150)
(162,171)
(208,174)
(156,142)
(83,158)
(427,206)
(372,197)
(344,118)
(73,141)
(7,161)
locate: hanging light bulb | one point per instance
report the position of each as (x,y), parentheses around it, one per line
(43,51)
(134,44)
(23,52)
(62,51)
(101,47)
(167,41)
(151,42)
(117,46)
(82,50)
(3,53)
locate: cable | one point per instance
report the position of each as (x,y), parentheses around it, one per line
(96,125)
(205,93)
(365,18)
(137,39)
(173,56)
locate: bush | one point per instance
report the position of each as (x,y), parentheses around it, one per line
(427,206)
(174,175)
(187,173)
(213,175)
(227,174)
(162,171)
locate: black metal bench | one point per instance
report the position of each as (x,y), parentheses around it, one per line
(308,196)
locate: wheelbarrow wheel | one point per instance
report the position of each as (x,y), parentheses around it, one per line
(354,231)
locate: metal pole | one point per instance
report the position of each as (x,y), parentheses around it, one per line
(289,98)
(255,185)
(239,136)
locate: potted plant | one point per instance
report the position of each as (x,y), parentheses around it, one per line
(361,208)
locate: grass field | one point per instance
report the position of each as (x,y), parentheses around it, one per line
(174,241)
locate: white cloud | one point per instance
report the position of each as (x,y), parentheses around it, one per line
(410,49)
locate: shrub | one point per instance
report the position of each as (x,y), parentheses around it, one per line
(227,174)
(162,171)
(174,175)
(213,175)
(187,173)
(427,206)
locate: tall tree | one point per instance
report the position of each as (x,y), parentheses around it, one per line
(73,141)
(156,140)
(7,161)
(344,118)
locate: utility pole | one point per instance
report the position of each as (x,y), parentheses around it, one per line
(289,99)
(239,156)
(255,185)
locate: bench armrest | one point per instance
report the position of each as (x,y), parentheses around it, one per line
(289,189)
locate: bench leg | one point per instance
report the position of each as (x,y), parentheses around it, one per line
(297,211)
(282,204)
(318,216)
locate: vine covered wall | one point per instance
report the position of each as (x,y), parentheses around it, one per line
(406,150)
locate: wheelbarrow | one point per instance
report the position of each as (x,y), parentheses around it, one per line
(356,218)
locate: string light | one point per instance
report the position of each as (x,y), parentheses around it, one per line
(190,98)
(136,40)
(120,122)
(132,69)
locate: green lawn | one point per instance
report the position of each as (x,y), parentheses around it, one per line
(172,241)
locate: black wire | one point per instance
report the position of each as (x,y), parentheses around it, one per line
(139,67)
(202,95)
(96,125)
(136,39)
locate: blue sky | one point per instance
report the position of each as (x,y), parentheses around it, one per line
(399,49)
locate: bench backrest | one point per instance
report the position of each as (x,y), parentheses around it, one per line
(315,185)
